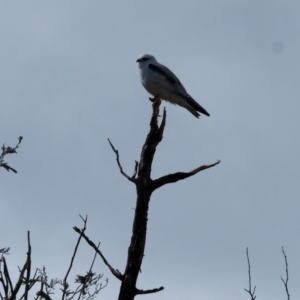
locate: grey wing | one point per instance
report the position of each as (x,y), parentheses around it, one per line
(178,87)
(168,74)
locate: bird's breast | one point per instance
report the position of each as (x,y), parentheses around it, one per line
(154,84)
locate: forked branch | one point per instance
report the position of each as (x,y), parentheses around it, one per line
(250,291)
(285,282)
(27,266)
(132,178)
(65,285)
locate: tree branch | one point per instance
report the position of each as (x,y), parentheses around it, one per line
(251,293)
(116,272)
(285,282)
(142,292)
(73,257)
(132,179)
(154,124)
(171,178)
(27,284)
(9,150)
(20,281)
(8,285)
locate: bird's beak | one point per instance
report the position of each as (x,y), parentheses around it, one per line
(138,60)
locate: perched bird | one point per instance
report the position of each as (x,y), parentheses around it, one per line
(162,83)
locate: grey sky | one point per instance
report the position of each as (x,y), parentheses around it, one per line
(69,81)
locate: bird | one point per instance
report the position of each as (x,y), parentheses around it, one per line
(162,83)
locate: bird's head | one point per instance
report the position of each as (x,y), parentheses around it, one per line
(145,58)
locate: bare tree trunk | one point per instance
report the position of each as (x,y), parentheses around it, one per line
(144,189)
(145,186)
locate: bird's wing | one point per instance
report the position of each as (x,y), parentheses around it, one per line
(166,72)
(194,104)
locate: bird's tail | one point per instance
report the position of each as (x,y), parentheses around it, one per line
(191,105)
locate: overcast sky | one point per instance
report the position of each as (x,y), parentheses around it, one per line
(69,80)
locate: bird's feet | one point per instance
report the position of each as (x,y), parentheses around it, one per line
(154,99)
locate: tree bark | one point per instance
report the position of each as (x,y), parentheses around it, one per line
(144,189)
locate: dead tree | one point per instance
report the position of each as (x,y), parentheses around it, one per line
(145,186)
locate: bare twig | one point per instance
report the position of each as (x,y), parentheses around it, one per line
(27,285)
(171,178)
(20,281)
(32,282)
(9,150)
(5,250)
(285,282)
(132,179)
(142,292)
(250,291)
(6,281)
(116,272)
(94,258)
(73,257)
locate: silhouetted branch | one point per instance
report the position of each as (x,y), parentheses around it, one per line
(285,282)
(171,178)
(27,283)
(88,285)
(9,150)
(5,280)
(141,292)
(21,277)
(144,186)
(154,128)
(251,293)
(132,179)
(65,285)
(161,128)
(116,272)
(94,258)
(5,250)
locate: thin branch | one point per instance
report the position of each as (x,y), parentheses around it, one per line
(20,281)
(74,254)
(285,282)
(251,293)
(4,250)
(171,178)
(9,150)
(132,179)
(33,281)
(142,292)
(7,276)
(94,258)
(116,272)
(27,285)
